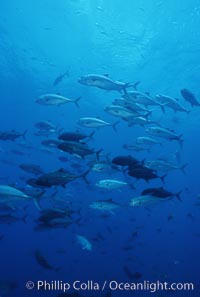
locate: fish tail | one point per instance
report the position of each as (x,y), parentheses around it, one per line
(114,125)
(180,140)
(24,219)
(84,176)
(182,168)
(91,135)
(98,153)
(131,85)
(76,101)
(148,113)
(178,196)
(163,178)
(162,107)
(135,85)
(37,204)
(24,134)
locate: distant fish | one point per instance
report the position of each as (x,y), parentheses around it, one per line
(84,242)
(42,261)
(95,123)
(146,140)
(75,136)
(145,200)
(135,147)
(59,177)
(46,126)
(172,103)
(31,168)
(78,148)
(55,99)
(120,111)
(60,78)
(11,135)
(110,184)
(160,193)
(189,97)
(104,205)
(162,165)
(164,133)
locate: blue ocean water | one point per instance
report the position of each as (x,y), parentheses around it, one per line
(154,42)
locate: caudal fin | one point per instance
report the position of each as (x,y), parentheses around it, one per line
(24,134)
(84,176)
(163,178)
(114,125)
(178,196)
(98,153)
(91,135)
(162,107)
(180,140)
(182,168)
(76,101)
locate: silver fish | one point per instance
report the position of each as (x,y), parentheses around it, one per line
(55,99)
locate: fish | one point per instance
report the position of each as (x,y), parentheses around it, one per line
(142,98)
(128,272)
(104,82)
(164,133)
(105,205)
(145,200)
(11,135)
(46,126)
(18,153)
(50,143)
(84,242)
(160,193)
(55,218)
(163,165)
(77,148)
(120,111)
(60,78)
(33,192)
(172,103)
(135,147)
(125,161)
(9,219)
(140,120)
(189,97)
(74,136)
(142,172)
(95,123)
(6,209)
(55,99)
(102,167)
(110,184)
(31,168)
(147,140)
(60,177)
(42,261)
(132,106)
(10,195)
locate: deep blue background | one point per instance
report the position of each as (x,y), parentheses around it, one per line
(156,42)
